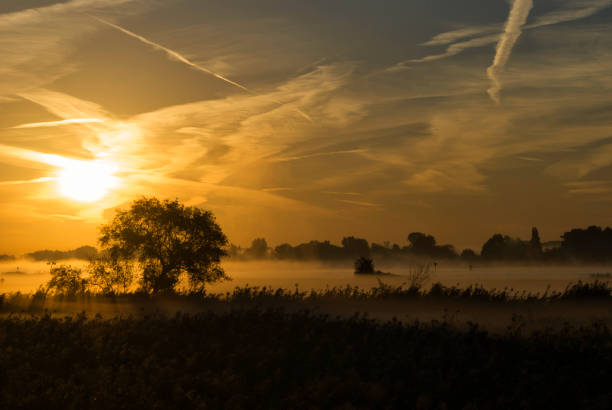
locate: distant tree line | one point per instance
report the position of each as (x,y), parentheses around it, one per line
(593,244)
(83,252)
(6,258)
(419,244)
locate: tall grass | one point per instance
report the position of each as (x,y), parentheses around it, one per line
(270,359)
(581,291)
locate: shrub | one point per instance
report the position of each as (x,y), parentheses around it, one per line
(364,265)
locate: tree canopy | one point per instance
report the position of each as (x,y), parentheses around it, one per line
(168,239)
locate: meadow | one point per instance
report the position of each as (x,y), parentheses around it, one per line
(289,335)
(274,359)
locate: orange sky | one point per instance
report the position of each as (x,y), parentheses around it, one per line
(306,120)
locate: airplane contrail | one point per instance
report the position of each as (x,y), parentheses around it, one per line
(512,31)
(61,122)
(28,181)
(177,56)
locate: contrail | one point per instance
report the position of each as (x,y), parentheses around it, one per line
(28,181)
(62,122)
(173,54)
(512,31)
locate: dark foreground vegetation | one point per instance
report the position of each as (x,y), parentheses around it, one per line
(269,348)
(271,359)
(591,291)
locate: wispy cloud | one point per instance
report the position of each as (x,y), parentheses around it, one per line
(573,11)
(488,34)
(466,32)
(317,154)
(35,43)
(516,20)
(531,159)
(171,53)
(28,181)
(181,58)
(359,203)
(589,187)
(61,123)
(452,50)
(587,162)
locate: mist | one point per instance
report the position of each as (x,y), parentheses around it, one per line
(26,276)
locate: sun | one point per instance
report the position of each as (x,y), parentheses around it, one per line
(86,181)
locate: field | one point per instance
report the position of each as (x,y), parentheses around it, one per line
(515,280)
(312,275)
(443,346)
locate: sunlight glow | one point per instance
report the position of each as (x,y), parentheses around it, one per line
(87,181)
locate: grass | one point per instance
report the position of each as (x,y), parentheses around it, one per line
(596,290)
(271,359)
(262,348)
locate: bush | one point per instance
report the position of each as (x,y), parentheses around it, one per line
(364,265)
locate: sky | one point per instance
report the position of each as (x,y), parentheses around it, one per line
(299,120)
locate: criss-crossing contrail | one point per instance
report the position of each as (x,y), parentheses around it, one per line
(177,56)
(516,20)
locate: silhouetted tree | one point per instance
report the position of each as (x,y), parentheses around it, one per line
(355,247)
(327,251)
(316,250)
(591,244)
(234,251)
(444,252)
(258,249)
(168,239)
(111,275)
(66,281)
(381,250)
(494,247)
(468,255)
(84,253)
(421,243)
(500,247)
(284,251)
(364,265)
(535,245)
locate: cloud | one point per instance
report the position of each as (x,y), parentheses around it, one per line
(435,181)
(574,10)
(35,43)
(516,20)
(172,54)
(61,123)
(489,34)
(531,159)
(589,187)
(452,50)
(28,181)
(587,162)
(179,57)
(359,203)
(190,150)
(317,154)
(454,35)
